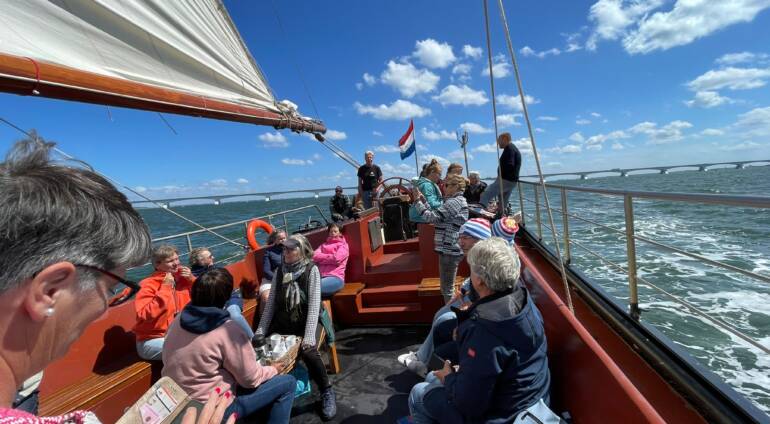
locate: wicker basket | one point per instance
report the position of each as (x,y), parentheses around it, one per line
(289,358)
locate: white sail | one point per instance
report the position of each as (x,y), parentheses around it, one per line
(190,46)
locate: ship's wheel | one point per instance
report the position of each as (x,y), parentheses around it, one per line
(393,187)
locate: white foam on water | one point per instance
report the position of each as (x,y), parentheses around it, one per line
(724,302)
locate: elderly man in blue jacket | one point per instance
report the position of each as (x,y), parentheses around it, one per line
(503,367)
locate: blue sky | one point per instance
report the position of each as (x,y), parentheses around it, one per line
(611,83)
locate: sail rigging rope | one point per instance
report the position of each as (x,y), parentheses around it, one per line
(117,183)
(531,139)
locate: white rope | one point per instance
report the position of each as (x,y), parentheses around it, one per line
(125,187)
(534,151)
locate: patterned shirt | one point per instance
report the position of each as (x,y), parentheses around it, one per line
(314,307)
(448,218)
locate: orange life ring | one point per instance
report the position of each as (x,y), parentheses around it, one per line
(251,230)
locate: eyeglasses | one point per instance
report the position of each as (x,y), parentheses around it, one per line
(132,287)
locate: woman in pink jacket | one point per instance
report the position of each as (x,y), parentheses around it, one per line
(331,258)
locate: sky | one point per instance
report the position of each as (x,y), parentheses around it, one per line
(609,84)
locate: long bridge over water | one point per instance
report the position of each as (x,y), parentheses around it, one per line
(624,172)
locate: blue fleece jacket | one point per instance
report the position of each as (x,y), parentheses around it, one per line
(502,357)
(271,261)
(432,196)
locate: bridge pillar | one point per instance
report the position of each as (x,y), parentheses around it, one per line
(217,202)
(583,176)
(623,173)
(165,205)
(664,171)
(740,166)
(702,168)
(267,198)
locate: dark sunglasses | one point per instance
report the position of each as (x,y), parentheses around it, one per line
(121,297)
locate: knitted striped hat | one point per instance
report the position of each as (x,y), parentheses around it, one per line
(477,228)
(505,228)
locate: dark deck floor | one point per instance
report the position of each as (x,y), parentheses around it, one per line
(372,387)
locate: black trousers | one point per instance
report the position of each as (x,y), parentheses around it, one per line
(315,365)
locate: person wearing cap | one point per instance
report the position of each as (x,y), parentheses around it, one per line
(339,205)
(474,230)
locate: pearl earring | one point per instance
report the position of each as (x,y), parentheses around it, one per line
(49,312)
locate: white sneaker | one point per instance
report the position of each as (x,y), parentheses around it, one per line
(410,361)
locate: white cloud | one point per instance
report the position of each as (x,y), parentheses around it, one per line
(514,102)
(506,120)
(316,157)
(462,95)
(433,54)
(485,148)
(462,69)
(359,86)
(711,132)
(524,146)
(601,138)
(742,57)
(539,130)
(746,145)
(400,169)
(669,133)
(475,128)
(707,99)
(398,110)
(458,155)
(594,147)
(437,135)
(547,118)
(219,182)
(569,148)
(408,80)
(527,51)
(754,123)
(582,122)
(386,148)
(429,157)
(500,67)
(296,162)
(335,135)
(642,31)
(617,146)
(376,133)
(242,181)
(730,78)
(577,137)
(596,114)
(140,189)
(274,140)
(370,80)
(472,52)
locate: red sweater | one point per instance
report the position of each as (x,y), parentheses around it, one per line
(157,304)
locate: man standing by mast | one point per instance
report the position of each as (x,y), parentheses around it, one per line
(510,164)
(369,177)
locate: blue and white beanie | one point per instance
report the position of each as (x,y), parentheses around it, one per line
(477,228)
(505,228)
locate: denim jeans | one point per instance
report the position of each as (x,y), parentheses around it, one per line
(447,272)
(428,403)
(366,197)
(236,314)
(150,350)
(330,285)
(426,348)
(272,400)
(493,190)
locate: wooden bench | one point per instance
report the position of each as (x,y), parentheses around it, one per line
(432,286)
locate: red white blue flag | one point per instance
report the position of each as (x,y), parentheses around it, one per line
(407,144)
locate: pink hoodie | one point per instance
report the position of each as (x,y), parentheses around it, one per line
(332,257)
(199,363)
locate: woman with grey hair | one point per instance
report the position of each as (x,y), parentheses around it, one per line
(294,308)
(502,365)
(475,188)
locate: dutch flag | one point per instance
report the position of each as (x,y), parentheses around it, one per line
(407,144)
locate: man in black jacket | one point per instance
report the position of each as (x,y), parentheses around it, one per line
(339,205)
(510,164)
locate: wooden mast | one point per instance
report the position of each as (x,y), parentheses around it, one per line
(21,75)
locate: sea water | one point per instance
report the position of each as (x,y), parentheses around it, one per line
(734,235)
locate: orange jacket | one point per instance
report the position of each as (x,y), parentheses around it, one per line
(157,304)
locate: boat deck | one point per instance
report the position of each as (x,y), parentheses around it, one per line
(372,387)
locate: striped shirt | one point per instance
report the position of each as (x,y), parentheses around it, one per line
(448,218)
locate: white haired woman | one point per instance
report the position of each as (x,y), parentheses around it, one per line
(294,308)
(502,366)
